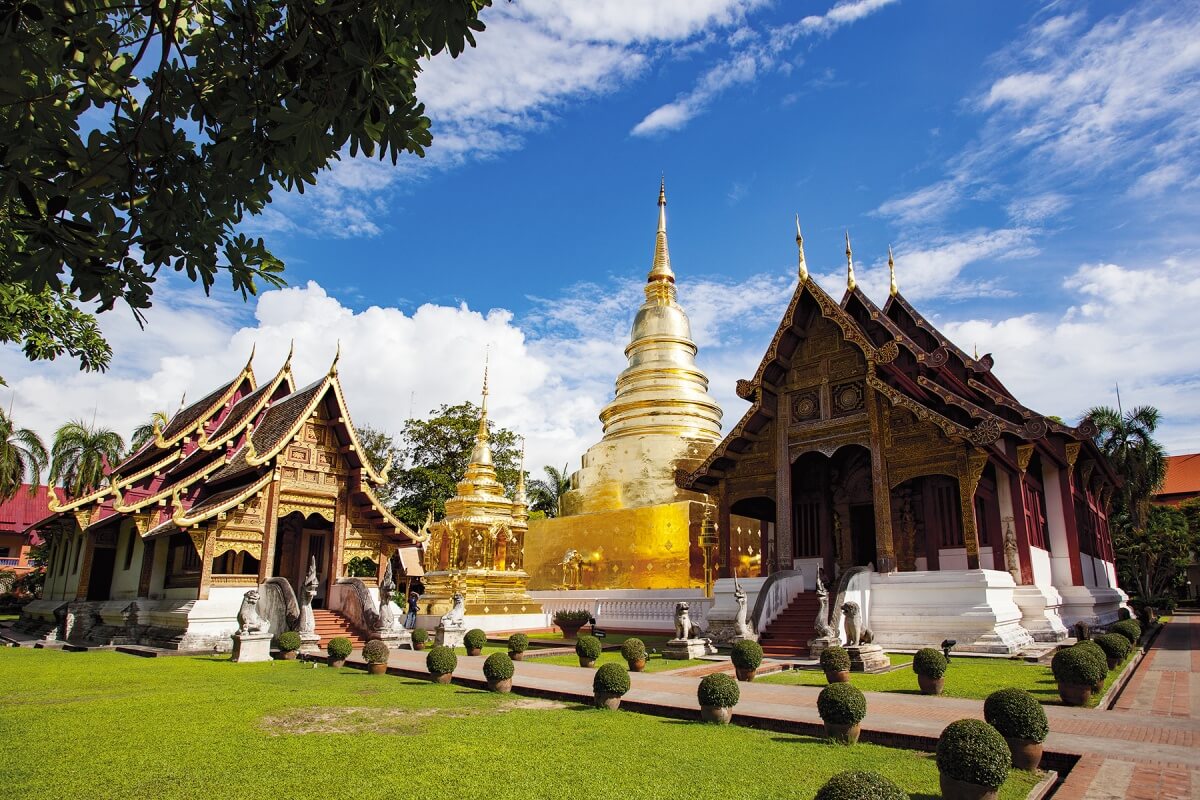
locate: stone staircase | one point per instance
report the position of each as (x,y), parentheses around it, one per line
(788,634)
(331,624)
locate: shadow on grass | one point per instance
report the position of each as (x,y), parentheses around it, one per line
(801,738)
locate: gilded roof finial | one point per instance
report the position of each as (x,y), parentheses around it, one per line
(892,272)
(287,362)
(337,356)
(800,247)
(519,496)
(661,270)
(850,284)
(482,453)
(253,348)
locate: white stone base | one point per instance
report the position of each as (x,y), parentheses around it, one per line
(449,637)
(686,648)
(251,647)
(868,658)
(911,610)
(1095,605)
(493,623)
(1040,607)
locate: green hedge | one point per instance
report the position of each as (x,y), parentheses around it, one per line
(719,690)
(841,704)
(518,643)
(289,641)
(930,663)
(1015,713)
(611,679)
(1114,645)
(633,649)
(497,667)
(375,652)
(835,659)
(746,654)
(420,636)
(860,785)
(1079,666)
(339,648)
(588,647)
(475,639)
(970,750)
(441,660)
(1129,628)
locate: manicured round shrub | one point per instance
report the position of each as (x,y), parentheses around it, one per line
(339,648)
(835,659)
(611,679)
(860,785)
(1129,628)
(475,639)
(518,643)
(1077,666)
(841,704)
(498,667)
(718,690)
(288,641)
(420,636)
(376,652)
(972,751)
(1114,645)
(441,660)
(572,616)
(746,654)
(1016,714)
(1093,651)
(588,647)
(930,663)
(633,649)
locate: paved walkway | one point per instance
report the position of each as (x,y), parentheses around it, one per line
(1147,748)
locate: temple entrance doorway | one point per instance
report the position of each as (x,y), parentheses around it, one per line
(301,539)
(833,512)
(862,534)
(749,560)
(104,559)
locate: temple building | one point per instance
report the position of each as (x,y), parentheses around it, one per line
(872,441)
(625,523)
(478,549)
(250,483)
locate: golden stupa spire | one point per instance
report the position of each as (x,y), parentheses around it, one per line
(892,272)
(661,270)
(482,454)
(519,497)
(800,247)
(850,283)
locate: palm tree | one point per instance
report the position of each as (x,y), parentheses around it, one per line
(547,494)
(1128,441)
(142,433)
(22,458)
(82,455)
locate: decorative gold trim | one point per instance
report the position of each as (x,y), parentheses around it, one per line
(1024,455)
(172,489)
(1072,452)
(182,518)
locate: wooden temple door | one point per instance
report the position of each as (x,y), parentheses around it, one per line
(862,534)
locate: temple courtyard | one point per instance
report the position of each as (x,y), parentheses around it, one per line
(207,726)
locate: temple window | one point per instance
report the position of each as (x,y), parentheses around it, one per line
(183,562)
(982,523)
(807,540)
(235,562)
(129,548)
(946,516)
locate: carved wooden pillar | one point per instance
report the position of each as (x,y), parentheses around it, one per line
(885,546)
(971,466)
(783,491)
(1066,481)
(270,529)
(85,571)
(149,550)
(205,542)
(726,566)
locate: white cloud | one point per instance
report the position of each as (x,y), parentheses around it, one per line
(923,205)
(842,13)
(1036,209)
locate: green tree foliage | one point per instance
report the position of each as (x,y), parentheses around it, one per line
(547,494)
(23,458)
(378,447)
(1152,558)
(47,324)
(142,433)
(137,136)
(1128,441)
(82,455)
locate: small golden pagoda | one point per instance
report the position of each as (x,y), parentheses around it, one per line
(478,548)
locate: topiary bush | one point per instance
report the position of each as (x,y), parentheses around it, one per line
(930,663)
(339,648)
(1078,666)
(718,690)
(611,679)
(841,704)
(633,649)
(1129,628)
(747,654)
(572,616)
(289,641)
(420,636)
(375,652)
(835,659)
(1114,645)
(518,643)
(588,647)
(860,785)
(972,751)
(1016,714)
(475,639)
(1093,651)
(441,660)
(497,667)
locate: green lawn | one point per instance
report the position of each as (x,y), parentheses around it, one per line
(109,725)
(967,677)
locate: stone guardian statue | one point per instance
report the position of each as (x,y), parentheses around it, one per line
(308,590)
(740,623)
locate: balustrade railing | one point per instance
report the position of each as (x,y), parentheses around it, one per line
(653,612)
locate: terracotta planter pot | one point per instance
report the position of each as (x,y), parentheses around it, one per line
(846,734)
(516,656)
(840,676)
(637,666)
(954,789)
(930,685)
(442,678)
(286,655)
(570,631)
(718,715)
(1074,694)
(605,700)
(587,662)
(503,687)
(377,669)
(418,645)
(1026,753)
(336,663)
(474,651)
(746,675)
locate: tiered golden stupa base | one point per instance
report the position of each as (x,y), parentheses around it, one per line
(486,592)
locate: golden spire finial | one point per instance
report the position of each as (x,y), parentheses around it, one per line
(800,247)
(892,272)
(253,348)
(337,356)
(519,496)
(661,270)
(287,362)
(850,284)
(482,454)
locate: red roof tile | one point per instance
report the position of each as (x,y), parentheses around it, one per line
(24,509)
(1183,475)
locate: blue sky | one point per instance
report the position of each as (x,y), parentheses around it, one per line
(1035,166)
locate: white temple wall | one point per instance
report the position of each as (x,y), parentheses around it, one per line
(956,557)
(158,570)
(125,581)
(1056,522)
(1040,561)
(809,567)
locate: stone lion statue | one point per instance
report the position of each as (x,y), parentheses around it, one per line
(856,633)
(683,621)
(248,619)
(457,615)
